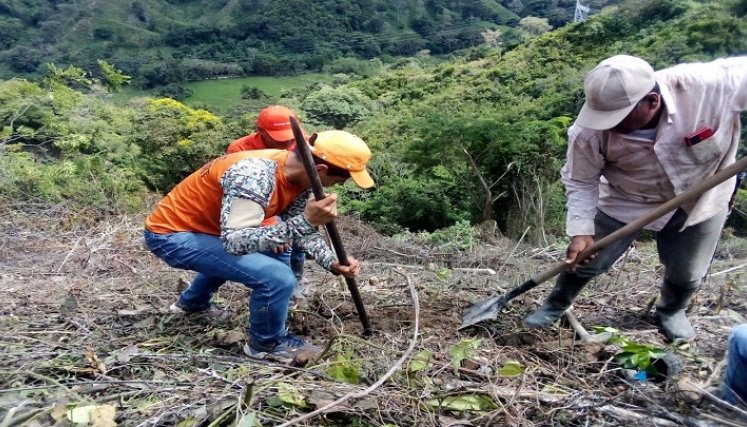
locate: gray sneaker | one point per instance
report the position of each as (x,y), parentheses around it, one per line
(212,312)
(283,350)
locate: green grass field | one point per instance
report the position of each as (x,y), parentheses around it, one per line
(224,94)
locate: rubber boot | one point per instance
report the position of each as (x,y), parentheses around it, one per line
(671,311)
(567,287)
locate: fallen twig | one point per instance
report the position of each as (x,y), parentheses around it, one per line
(729,270)
(583,335)
(721,420)
(397,366)
(500,269)
(62,264)
(719,402)
(628,415)
(424,267)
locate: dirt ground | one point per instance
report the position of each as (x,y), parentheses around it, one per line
(87,338)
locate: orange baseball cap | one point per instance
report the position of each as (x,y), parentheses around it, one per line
(345,151)
(275,120)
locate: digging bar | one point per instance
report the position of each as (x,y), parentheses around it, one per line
(489,309)
(334,234)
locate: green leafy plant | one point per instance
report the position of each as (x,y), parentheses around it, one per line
(634,355)
(291,396)
(420,362)
(460,236)
(511,368)
(464,402)
(345,369)
(640,357)
(444,274)
(464,349)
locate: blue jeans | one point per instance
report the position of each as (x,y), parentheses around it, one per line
(267,274)
(735,382)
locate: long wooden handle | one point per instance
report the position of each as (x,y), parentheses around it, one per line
(334,234)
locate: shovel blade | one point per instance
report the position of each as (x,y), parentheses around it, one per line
(485,310)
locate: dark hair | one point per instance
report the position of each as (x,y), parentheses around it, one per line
(331,169)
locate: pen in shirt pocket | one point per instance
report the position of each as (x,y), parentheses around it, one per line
(698,136)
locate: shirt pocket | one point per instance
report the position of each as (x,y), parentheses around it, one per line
(708,150)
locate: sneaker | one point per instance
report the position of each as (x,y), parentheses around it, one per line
(212,312)
(283,350)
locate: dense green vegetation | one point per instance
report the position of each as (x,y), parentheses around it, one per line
(161,42)
(500,116)
(481,136)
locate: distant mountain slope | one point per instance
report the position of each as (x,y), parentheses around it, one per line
(486,132)
(166,41)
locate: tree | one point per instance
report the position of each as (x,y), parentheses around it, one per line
(113,78)
(71,76)
(493,38)
(174,141)
(24,60)
(534,25)
(251,92)
(338,107)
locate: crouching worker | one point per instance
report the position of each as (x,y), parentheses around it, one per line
(211,223)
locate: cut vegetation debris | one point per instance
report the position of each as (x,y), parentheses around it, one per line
(88,339)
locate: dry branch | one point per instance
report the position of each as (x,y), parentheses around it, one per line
(635,417)
(397,366)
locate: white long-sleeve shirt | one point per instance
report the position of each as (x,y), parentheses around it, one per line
(626,176)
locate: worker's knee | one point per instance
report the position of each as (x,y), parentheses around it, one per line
(738,341)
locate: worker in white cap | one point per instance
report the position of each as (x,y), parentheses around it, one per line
(641,138)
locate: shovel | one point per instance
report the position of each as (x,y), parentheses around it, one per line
(489,309)
(334,234)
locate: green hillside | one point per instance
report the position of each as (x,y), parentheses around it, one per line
(171,41)
(478,137)
(508,111)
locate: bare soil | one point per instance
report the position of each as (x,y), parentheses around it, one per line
(84,322)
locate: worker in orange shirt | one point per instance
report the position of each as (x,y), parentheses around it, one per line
(273,131)
(211,223)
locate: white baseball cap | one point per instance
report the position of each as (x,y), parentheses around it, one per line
(612,90)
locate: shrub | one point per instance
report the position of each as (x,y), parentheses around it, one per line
(174,141)
(81,182)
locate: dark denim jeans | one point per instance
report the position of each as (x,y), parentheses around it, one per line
(267,274)
(686,254)
(735,382)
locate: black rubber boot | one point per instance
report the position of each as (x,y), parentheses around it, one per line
(671,311)
(567,287)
